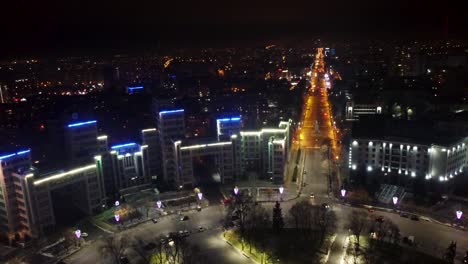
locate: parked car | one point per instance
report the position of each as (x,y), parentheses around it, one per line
(155,220)
(124,260)
(414,218)
(404,215)
(380,219)
(201,229)
(149,246)
(184,218)
(312,195)
(184,233)
(326,206)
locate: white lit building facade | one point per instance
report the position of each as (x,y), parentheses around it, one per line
(431,161)
(354,111)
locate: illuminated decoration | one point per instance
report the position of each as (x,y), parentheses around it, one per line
(171,111)
(78,233)
(200,195)
(281,189)
(14,154)
(82,123)
(117,203)
(117,217)
(395,200)
(65,174)
(343,192)
(159,204)
(123,145)
(459,214)
(236,190)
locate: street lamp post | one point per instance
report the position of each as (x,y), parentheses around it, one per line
(281,190)
(78,233)
(459,214)
(159,204)
(117,203)
(343,193)
(117,217)
(236,191)
(395,201)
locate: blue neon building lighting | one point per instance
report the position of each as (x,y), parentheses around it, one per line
(229,119)
(135,88)
(171,111)
(123,145)
(14,154)
(82,123)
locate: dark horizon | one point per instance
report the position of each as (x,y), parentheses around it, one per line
(82,27)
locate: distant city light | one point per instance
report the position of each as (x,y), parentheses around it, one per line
(281,189)
(117,203)
(395,200)
(236,190)
(343,192)
(117,217)
(159,203)
(200,195)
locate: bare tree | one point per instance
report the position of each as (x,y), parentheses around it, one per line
(326,222)
(358,223)
(114,247)
(241,208)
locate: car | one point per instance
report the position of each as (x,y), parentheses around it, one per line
(84,234)
(404,215)
(326,206)
(155,220)
(184,233)
(414,217)
(198,208)
(371,210)
(201,229)
(149,246)
(124,260)
(380,219)
(184,218)
(312,195)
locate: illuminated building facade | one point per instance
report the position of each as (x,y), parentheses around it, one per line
(266,151)
(81,142)
(12,202)
(83,184)
(171,126)
(129,166)
(226,127)
(354,111)
(431,161)
(150,137)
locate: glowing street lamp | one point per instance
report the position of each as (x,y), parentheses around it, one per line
(78,233)
(281,189)
(343,192)
(117,217)
(117,203)
(459,214)
(158,203)
(395,200)
(200,196)
(236,190)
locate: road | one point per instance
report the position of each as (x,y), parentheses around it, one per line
(210,241)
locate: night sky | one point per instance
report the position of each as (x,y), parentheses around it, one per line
(48,26)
